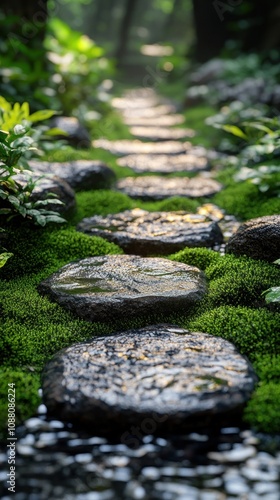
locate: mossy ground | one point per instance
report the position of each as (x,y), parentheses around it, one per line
(33,328)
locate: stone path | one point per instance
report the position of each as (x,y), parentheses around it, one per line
(183,378)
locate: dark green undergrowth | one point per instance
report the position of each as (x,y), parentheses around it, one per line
(235,310)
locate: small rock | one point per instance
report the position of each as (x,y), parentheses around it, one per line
(257,238)
(146,233)
(77,134)
(158,188)
(81,175)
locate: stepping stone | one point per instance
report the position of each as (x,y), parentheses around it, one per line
(158,188)
(121,286)
(160,121)
(165,164)
(161,377)
(131,102)
(257,238)
(81,175)
(77,134)
(144,233)
(162,134)
(126,147)
(150,112)
(51,184)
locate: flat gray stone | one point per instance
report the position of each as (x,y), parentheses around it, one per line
(150,111)
(257,238)
(144,233)
(127,147)
(161,376)
(160,121)
(51,184)
(77,134)
(118,286)
(162,133)
(165,164)
(81,175)
(135,102)
(158,188)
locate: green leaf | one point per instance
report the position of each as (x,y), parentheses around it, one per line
(4,257)
(44,114)
(277,262)
(234,130)
(273,294)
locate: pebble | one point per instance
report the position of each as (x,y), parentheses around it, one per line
(83,458)
(238,454)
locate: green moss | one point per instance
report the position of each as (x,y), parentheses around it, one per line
(253,331)
(232,280)
(263,410)
(38,249)
(244,200)
(268,367)
(199,257)
(174,203)
(205,134)
(27,398)
(101,202)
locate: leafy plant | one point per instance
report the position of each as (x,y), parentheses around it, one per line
(273,293)
(79,66)
(16,182)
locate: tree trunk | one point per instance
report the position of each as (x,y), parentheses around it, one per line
(124,29)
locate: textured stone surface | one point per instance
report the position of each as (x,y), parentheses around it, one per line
(160,121)
(162,373)
(80,175)
(51,184)
(77,134)
(165,164)
(126,147)
(144,233)
(162,133)
(118,286)
(158,188)
(258,238)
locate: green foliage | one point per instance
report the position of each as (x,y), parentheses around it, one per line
(101,202)
(79,66)
(263,410)
(4,257)
(273,293)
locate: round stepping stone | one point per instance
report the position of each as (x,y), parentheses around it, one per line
(136,102)
(257,238)
(150,112)
(81,175)
(51,184)
(158,188)
(117,286)
(161,377)
(77,134)
(165,164)
(144,233)
(162,134)
(160,121)
(126,147)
